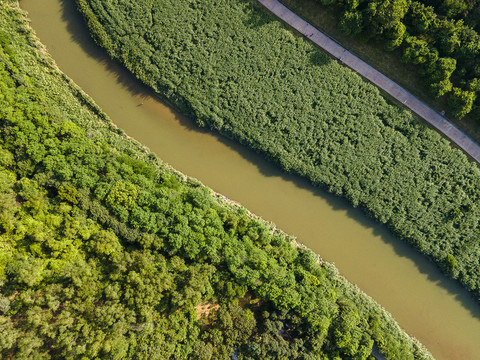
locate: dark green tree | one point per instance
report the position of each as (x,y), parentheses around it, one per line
(351,23)
(415,50)
(460,102)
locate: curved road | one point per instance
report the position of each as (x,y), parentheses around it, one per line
(462,140)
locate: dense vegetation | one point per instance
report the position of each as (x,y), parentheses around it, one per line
(466,10)
(446,50)
(229,65)
(107,253)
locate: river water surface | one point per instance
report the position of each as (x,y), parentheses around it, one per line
(430,307)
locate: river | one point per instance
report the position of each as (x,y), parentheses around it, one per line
(429,306)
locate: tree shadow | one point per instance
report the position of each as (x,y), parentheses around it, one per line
(258,15)
(319,57)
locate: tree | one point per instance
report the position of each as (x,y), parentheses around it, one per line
(416,51)
(105,244)
(460,102)
(68,193)
(451,262)
(420,17)
(394,36)
(470,43)
(440,70)
(387,14)
(452,8)
(447,36)
(122,194)
(473,85)
(351,23)
(351,4)
(25,270)
(440,88)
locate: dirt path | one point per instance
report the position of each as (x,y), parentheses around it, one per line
(408,100)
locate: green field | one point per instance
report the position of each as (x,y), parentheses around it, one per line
(231,66)
(107,253)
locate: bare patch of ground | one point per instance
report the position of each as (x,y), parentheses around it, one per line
(203,311)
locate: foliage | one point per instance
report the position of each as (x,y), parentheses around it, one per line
(416,50)
(228,65)
(468,10)
(351,23)
(422,27)
(460,102)
(79,281)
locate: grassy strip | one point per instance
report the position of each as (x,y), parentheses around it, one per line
(231,66)
(108,253)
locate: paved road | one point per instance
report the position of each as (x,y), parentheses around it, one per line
(407,99)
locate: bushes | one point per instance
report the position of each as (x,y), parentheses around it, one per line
(461,102)
(242,74)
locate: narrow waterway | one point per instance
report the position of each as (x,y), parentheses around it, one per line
(427,305)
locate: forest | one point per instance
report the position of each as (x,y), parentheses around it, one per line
(231,66)
(441,37)
(106,252)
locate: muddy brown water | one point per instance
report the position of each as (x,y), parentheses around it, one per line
(428,305)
